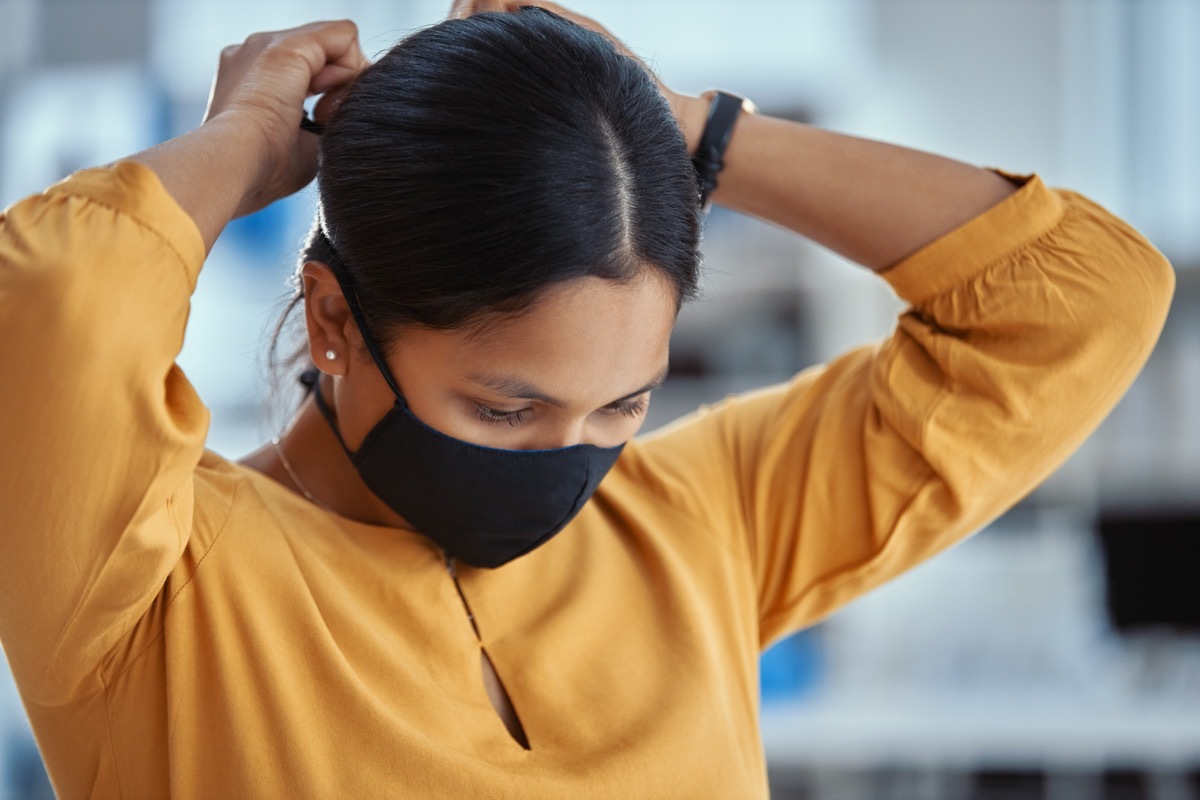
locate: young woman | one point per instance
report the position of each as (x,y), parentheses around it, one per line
(457,574)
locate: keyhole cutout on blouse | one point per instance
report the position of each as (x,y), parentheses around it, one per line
(500,700)
(497,694)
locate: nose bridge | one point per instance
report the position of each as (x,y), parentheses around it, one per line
(560,433)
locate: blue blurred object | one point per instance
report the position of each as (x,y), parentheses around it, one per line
(266,234)
(25,775)
(74,117)
(791,668)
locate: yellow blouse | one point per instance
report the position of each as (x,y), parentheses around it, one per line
(179,624)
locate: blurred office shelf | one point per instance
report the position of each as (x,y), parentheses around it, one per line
(909,783)
(994,671)
(991,672)
(1046,730)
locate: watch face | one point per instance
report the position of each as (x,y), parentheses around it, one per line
(748,105)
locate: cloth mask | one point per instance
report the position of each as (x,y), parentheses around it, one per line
(482,505)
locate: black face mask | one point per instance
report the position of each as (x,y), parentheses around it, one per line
(482,505)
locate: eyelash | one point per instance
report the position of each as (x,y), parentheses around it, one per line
(492,416)
(629,408)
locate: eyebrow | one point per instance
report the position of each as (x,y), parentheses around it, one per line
(519,389)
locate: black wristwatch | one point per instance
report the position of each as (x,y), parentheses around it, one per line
(709,158)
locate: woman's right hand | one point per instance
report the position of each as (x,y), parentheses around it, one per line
(690,111)
(251,151)
(261,86)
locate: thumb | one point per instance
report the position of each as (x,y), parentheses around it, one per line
(328,104)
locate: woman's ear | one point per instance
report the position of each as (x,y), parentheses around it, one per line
(328,318)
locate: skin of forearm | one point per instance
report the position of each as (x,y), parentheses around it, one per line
(208,171)
(871,202)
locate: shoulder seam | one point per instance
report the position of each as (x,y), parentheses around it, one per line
(141,223)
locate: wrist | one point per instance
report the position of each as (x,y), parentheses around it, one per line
(209,171)
(691,112)
(249,151)
(724,111)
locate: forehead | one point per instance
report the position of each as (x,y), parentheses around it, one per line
(581,340)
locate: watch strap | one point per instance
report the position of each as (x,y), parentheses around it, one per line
(709,158)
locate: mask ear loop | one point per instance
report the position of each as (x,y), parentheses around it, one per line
(324,408)
(344,282)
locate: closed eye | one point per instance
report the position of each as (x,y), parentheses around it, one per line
(495,416)
(633,407)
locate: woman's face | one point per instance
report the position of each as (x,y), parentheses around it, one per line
(576,367)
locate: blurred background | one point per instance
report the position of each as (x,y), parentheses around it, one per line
(1056,654)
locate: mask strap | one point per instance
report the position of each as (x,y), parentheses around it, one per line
(361,321)
(309,380)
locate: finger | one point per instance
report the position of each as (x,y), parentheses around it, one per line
(517,5)
(331,76)
(562,11)
(325,43)
(327,104)
(461,9)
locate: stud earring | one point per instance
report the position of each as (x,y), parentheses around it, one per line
(330,355)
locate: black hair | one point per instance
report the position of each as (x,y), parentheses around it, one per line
(482,160)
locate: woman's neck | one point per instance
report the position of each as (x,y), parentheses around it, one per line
(313,463)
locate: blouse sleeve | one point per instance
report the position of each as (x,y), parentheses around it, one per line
(1025,327)
(101,432)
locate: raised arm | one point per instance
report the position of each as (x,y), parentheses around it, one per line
(871,202)
(250,151)
(1030,313)
(101,431)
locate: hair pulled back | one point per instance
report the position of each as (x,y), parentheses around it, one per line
(482,160)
